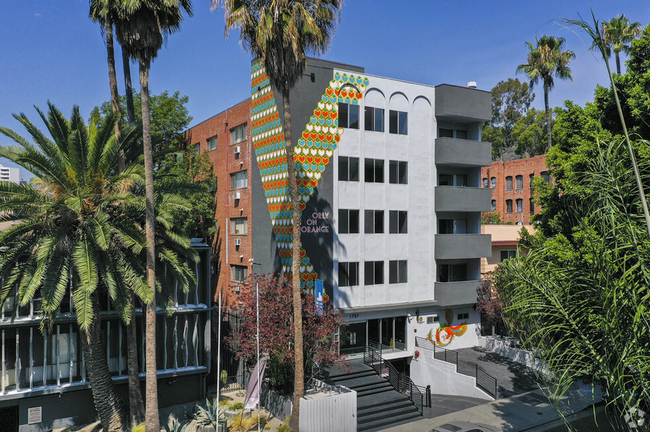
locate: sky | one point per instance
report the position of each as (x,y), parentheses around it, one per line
(51,51)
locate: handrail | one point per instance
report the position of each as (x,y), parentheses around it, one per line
(400,382)
(484,380)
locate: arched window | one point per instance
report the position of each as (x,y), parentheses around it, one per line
(485,182)
(509,183)
(508,206)
(519,182)
(493,182)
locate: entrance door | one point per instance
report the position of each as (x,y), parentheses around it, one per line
(353,338)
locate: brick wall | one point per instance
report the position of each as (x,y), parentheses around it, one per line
(500,171)
(226,162)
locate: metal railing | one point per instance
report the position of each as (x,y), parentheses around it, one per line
(484,380)
(400,382)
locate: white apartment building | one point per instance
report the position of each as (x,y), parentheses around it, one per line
(9,174)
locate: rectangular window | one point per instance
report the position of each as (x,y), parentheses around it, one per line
(485,182)
(239,226)
(494,205)
(374,119)
(508,206)
(238,134)
(239,180)
(509,183)
(373,273)
(520,205)
(397,272)
(212,143)
(493,182)
(452,272)
(532,178)
(452,226)
(545,176)
(398,222)
(348,116)
(532,206)
(519,182)
(452,180)
(398,172)
(348,168)
(461,134)
(374,170)
(398,122)
(507,254)
(373,222)
(196,148)
(348,221)
(348,274)
(445,133)
(238,273)
(462,316)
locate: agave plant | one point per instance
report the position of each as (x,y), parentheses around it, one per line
(211,414)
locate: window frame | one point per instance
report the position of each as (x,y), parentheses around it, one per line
(452,272)
(375,171)
(519,202)
(234,223)
(234,134)
(346,164)
(346,271)
(346,215)
(212,143)
(235,269)
(233,180)
(376,274)
(519,182)
(509,183)
(510,253)
(397,270)
(346,116)
(398,222)
(398,122)
(372,221)
(398,172)
(508,206)
(493,182)
(373,114)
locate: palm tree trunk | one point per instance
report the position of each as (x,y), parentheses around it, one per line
(136,406)
(112,81)
(548,117)
(128,87)
(618,64)
(299,374)
(109,405)
(151,383)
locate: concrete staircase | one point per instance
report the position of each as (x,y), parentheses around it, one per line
(379,405)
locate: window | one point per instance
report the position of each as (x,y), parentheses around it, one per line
(461,134)
(485,182)
(532,178)
(532,206)
(239,180)
(196,148)
(348,273)
(494,205)
(398,122)
(519,182)
(238,273)
(348,221)
(493,182)
(464,316)
(507,254)
(452,272)
(520,205)
(212,143)
(452,226)
(397,222)
(348,168)
(545,176)
(373,273)
(348,116)
(509,183)
(238,134)
(397,272)
(445,133)
(398,172)
(239,226)
(374,119)
(452,180)
(508,206)
(373,222)
(374,170)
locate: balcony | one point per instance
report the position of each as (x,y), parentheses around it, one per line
(456,293)
(462,199)
(462,104)
(463,153)
(463,246)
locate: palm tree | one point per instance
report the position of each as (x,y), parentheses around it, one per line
(141,28)
(71,232)
(103,11)
(279,33)
(617,33)
(545,61)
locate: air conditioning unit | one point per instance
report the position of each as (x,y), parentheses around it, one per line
(237,149)
(237,242)
(236,195)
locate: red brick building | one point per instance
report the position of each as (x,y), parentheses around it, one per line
(511,184)
(225,138)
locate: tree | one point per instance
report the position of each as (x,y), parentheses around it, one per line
(277,330)
(617,33)
(510,100)
(279,33)
(141,28)
(547,61)
(530,133)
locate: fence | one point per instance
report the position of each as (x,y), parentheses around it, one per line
(236,376)
(484,380)
(400,382)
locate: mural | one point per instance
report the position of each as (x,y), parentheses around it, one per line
(312,154)
(446,332)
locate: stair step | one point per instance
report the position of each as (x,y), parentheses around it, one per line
(383,406)
(389,411)
(352,375)
(374,391)
(361,382)
(394,420)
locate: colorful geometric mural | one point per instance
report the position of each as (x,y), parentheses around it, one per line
(446,332)
(312,154)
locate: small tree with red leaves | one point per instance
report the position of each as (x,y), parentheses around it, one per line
(276,330)
(489,306)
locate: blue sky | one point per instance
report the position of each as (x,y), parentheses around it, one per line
(50,50)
